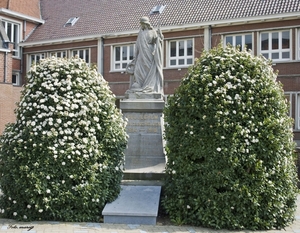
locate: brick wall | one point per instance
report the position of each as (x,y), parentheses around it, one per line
(9,65)
(9,96)
(27,7)
(4,3)
(6,66)
(2,57)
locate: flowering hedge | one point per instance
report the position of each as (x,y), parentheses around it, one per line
(63,158)
(230,145)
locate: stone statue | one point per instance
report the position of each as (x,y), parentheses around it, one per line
(146,75)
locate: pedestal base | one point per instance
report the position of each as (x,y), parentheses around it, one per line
(145,152)
(135,205)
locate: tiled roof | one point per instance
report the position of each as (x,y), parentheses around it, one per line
(109,16)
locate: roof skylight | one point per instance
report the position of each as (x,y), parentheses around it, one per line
(71,21)
(158,9)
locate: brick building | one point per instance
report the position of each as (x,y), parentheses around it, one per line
(103,32)
(19,19)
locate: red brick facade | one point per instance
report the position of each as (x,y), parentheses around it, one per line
(289,72)
(9,93)
(26,7)
(9,96)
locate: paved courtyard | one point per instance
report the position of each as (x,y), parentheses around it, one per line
(11,226)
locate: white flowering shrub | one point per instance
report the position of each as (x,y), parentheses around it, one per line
(230,145)
(63,158)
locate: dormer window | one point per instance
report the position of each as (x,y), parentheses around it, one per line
(71,21)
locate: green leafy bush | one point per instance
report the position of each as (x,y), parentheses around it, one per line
(63,158)
(230,145)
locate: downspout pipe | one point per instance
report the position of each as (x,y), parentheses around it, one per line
(5,67)
(210,36)
(21,81)
(100,60)
(207,38)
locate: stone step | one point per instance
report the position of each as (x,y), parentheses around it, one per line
(152,169)
(135,205)
(143,176)
(142,182)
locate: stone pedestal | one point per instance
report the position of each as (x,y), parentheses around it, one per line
(144,156)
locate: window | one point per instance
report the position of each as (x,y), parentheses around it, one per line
(13,32)
(83,54)
(158,9)
(16,79)
(276,45)
(298,43)
(71,21)
(35,58)
(181,53)
(294,107)
(59,54)
(239,40)
(122,56)
(4,40)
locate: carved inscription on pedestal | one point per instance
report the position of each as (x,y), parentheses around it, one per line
(145,148)
(145,123)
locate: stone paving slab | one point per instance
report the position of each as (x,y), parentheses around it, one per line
(118,228)
(46,227)
(11,226)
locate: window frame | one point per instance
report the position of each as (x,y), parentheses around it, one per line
(129,56)
(33,57)
(55,53)
(272,51)
(18,81)
(84,56)
(243,35)
(14,39)
(185,57)
(40,55)
(293,99)
(298,43)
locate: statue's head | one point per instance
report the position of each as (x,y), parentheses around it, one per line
(145,20)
